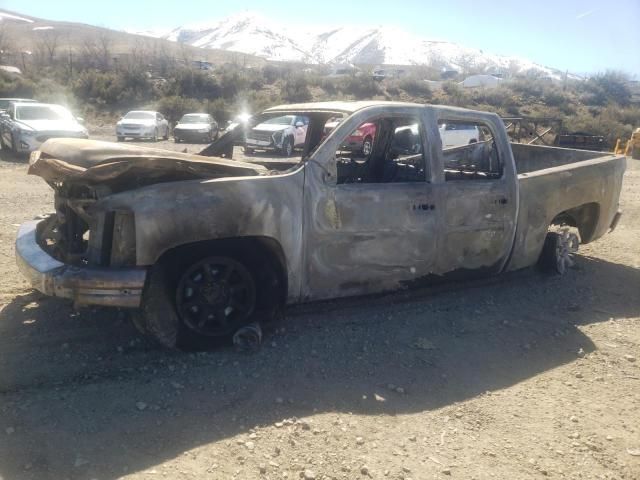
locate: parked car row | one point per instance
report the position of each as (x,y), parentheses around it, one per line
(25,124)
(192,127)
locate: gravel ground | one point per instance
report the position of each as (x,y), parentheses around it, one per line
(520,377)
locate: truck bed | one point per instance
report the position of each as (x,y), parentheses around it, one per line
(530,158)
(581,186)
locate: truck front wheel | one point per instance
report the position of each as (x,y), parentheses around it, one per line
(215,297)
(557,252)
(198,301)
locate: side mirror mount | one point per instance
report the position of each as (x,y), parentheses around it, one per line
(299,124)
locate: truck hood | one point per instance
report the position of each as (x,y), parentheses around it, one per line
(124,167)
(52,125)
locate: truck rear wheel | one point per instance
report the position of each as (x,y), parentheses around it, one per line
(557,252)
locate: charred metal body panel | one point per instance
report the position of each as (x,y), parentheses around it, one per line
(335,239)
(195,211)
(83,285)
(366,238)
(577,187)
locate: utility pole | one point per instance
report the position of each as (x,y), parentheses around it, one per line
(70,64)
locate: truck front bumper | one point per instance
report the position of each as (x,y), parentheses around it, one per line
(113,287)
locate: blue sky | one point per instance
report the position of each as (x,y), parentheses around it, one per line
(579,35)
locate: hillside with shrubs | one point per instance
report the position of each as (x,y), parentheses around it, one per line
(101,91)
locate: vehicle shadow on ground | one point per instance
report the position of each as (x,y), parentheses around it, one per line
(87,397)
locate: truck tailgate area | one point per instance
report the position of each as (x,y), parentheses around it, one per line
(582,186)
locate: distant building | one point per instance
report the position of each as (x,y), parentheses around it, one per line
(434,84)
(11,69)
(481,81)
(202,65)
(342,70)
(381,73)
(448,74)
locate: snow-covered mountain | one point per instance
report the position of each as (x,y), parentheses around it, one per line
(254,34)
(13,18)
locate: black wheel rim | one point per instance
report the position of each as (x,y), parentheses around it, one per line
(215,296)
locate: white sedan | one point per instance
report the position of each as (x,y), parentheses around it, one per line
(25,126)
(142,124)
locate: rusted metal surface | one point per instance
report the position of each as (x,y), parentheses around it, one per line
(89,285)
(92,161)
(341,239)
(585,184)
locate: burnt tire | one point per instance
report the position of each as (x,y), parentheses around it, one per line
(120,139)
(157,317)
(165,313)
(557,252)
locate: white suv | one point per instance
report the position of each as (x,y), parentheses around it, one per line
(279,133)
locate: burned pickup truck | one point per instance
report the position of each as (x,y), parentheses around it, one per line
(201,246)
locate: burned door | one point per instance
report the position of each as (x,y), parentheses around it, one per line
(374,227)
(480,202)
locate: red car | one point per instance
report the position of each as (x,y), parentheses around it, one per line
(361,140)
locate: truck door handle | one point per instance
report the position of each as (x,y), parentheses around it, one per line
(501,201)
(424,206)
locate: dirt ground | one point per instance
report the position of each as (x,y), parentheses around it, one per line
(519,377)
